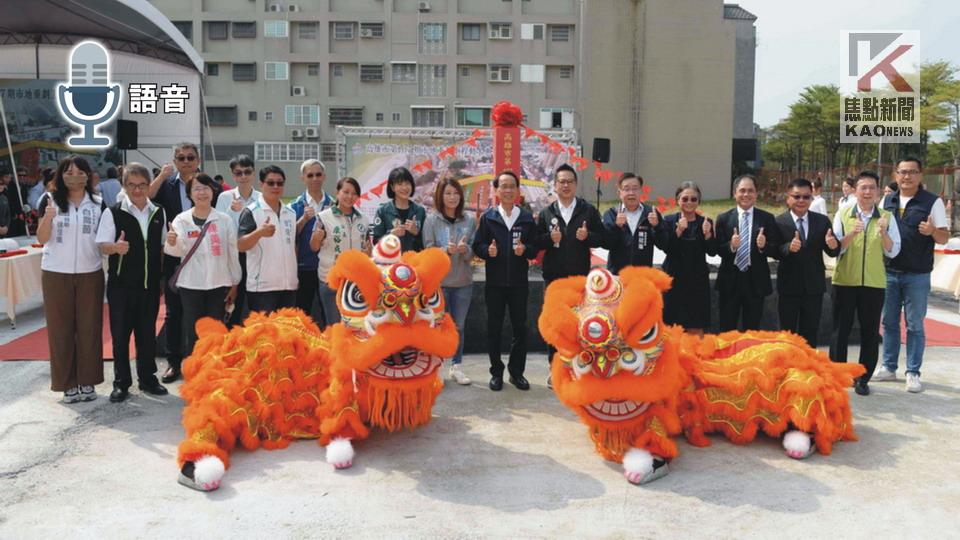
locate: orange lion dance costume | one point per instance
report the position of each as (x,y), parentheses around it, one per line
(636,382)
(278,378)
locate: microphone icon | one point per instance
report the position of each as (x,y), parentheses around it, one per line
(88,87)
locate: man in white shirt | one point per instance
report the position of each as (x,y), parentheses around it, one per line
(232,202)
(819,204)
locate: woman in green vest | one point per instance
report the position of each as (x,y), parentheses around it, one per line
(867,234)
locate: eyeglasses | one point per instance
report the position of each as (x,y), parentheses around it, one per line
(566,182)
(802,197)
(907,172)
(274,183)
(630,190)
(199,188)
(243,172)
(188,157)
(137,187)
(689,199)
(314,175)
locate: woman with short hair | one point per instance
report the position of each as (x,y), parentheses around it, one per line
(401,216)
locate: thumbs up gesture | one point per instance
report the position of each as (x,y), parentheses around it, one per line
(707,229)
(858,227)
(319,231)
(171,235)
(492,250)
(267,229)
(51,210)
(831,239)
(582,231)
(462,245)
(926,227)
(653,218)
(121,246)
(236,204)
(682,224)
(882,226)
(795,244)
(761,239)
(621,217)
(518,247)
(735,240)
(555,235)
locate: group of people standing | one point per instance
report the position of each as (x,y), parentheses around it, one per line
(218,256)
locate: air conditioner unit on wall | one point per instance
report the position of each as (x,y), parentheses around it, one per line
(275,7)
(423,6)
(296,133)
(313,133)
(366,32)
(293,7)
(299,91)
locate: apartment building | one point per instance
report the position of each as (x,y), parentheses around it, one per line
(655,76)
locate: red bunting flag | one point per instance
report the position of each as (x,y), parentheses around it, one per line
(529,132)
(646,190)
(477,133)
(644,198)
(571,150)
(671,202)
(660,201)
(472,141)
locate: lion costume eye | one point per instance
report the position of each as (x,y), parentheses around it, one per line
(648,338)
(351,298)
(430,303)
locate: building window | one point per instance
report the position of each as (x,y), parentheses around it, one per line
(433,80)
(531,31)
(433,38)
(500,30)
(217,29)
(185,28)
(556,118)
(473,116)
(532,73)
(276,71)
(371,72)
(346,116)
(302,115)
(313,70)
(343,30)
(500,73)
(245,72)
(371,30)
(308,30)
(566,72)
(268,116)
(396,118)
(403,73)
(328,152)
(560,32)
(465,71)
(244,29)
(222,116)
(275,29)
(337,70)
(286,151)
(379,117)
(252,116)
(470,32)
(213,70)
(427,117)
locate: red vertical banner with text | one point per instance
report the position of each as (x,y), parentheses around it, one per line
(506,150)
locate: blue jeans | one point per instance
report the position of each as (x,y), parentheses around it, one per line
(328,300)
(908,292)
(458,304)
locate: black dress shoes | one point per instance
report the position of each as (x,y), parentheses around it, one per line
(861,388)
(171,374)
(118,394)
(153,388)
(496,383)
(520,382)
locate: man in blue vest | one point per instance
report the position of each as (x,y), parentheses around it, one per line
(922,220)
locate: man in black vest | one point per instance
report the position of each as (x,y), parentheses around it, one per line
(169,191)
(746,236)
(632,227)
(131,232)
(567,229)
(800,275)
(922,220)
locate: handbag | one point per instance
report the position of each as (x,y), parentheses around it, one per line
(172,282)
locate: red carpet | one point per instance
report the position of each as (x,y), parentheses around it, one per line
(33,346)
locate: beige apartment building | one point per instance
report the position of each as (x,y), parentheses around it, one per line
(670,82)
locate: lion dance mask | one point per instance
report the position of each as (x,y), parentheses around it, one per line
(636,382)
(278,378)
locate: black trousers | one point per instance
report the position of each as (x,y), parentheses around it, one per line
(308,290)
(173,319)
(271,300)
(866,304)
(197,305)
(800,314)
(133,311)
(498,300)
(240,303)
(550,349)
(740,300)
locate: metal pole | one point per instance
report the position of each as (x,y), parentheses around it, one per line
(13,161)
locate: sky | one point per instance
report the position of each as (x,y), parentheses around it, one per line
(803,42)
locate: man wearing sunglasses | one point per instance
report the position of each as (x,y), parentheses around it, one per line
(801,275)
(168,190)
(232,202)
(307,207)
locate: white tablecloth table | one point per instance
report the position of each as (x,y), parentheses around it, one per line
(20,278)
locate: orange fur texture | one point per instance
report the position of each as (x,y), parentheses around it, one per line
(279,378)
(636,383)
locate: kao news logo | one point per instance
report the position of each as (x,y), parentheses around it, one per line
(882,88)
(89,100)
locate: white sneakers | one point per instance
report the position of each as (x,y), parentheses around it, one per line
(884,374)
(458,375)
(87,393)
(79,393)
(72,395)
(913,383)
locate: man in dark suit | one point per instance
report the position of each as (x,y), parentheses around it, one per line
(169,191)
(800,274)
(746,236)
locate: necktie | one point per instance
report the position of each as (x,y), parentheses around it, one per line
(802,229)
(743,251)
